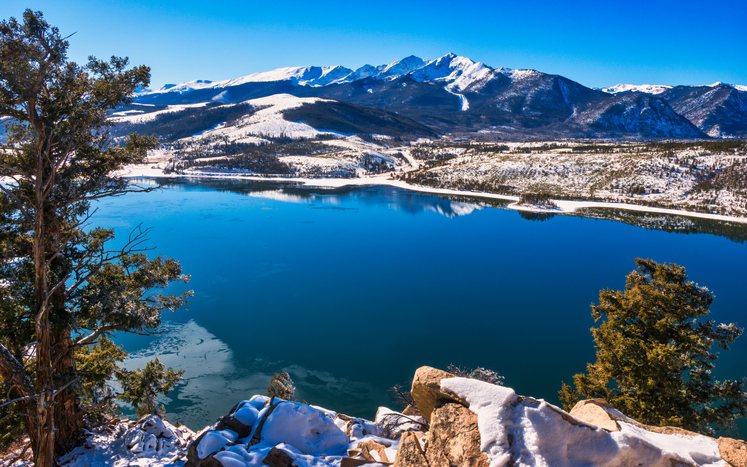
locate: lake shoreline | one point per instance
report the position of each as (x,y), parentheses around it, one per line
(563,206)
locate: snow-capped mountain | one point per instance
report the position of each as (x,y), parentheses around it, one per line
(456,94)
(400,68)
(645,88)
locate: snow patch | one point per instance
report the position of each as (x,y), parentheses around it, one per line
(306,428)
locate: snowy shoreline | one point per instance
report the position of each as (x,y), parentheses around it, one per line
(563,206)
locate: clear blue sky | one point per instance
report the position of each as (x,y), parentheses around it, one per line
(594,43)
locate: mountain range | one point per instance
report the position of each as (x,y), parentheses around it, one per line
(456,95)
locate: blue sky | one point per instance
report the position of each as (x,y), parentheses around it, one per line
(594,43)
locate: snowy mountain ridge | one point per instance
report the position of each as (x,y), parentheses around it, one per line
(452,70)
(456,94)
(658,88)
(456,72)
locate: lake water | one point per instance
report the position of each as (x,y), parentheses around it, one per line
(351,290)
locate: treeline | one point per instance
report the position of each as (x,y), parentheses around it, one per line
(246,162)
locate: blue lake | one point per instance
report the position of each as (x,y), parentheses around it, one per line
(351,290)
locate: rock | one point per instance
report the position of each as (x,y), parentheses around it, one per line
(373,451)
(593,411)
(305,428)
(153,424)
(204,446)
(350,462)
(410,453)
(411,411)
(228,422)
(193,460)
(426,390)
(210,461)
(277,458)
(356,428)
(733,451)
(392,424)
(454,438)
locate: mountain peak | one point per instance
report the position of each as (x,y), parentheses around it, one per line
(401,67)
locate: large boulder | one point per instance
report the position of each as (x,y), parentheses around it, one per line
(410,452)
(426,390)
(454,438)
(733,451)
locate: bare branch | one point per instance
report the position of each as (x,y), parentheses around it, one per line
(18,202)
(19,399)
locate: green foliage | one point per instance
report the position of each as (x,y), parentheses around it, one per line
(654,356)
(97,365)
(63,287)
(281,385)
(142,386)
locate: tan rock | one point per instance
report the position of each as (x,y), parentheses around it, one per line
(454,438)
(369,447)
(409,452)
(593,411)
(350,462)
(410,410)
(426,390)
(599,413)
(733,451)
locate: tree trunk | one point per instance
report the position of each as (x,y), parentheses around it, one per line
(44,449)
(12,372)
(68,416)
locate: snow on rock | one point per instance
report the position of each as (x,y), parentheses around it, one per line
(307,429)
(285,432)
(515,430)
(149,442)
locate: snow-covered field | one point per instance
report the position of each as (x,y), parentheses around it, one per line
(693,178)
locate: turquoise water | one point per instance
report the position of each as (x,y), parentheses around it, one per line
(351,290)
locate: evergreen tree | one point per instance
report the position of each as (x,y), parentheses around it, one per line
(654,353)
(281,385)
(61,287)
(143,385)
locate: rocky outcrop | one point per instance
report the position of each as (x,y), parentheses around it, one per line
(473,423)
(733,451)
(411,452)
(454,438)
(426,390)
(470,423)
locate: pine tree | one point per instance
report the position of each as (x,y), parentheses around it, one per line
(281,385)
(654,353)
(61,287)
(140,387)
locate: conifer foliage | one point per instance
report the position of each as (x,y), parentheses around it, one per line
(655,353)
(62,288)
